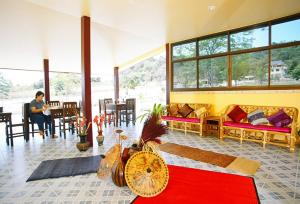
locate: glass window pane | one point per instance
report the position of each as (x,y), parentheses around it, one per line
(65,87)
(213,45)
(145,81)
(18,87)
(185,74)
(102,86)
(184,51)
(249,39)
(286,32)
(285,66)
(213,72)
(250,69)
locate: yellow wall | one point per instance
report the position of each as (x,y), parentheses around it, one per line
(220,100)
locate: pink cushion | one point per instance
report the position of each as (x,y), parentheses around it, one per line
(189,120)
(257,127)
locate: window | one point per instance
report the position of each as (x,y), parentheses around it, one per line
(287,63)
(185,74)
(249,39)
(187,50)
(18,87)
(213,72)
(102,86)
(145,81)
(65,86)
(264,56)
(213,45)
(250,69)
(286,32)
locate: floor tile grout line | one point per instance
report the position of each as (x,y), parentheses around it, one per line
(210,144)
(297,172)
(56,199)
(262,187)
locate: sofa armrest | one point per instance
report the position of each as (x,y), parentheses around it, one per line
(222,119)
(203,115)
(294,123)
(225,113)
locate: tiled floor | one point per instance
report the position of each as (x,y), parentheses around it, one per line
(277,180)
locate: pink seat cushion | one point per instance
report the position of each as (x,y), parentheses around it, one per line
(257,127)
(188,120)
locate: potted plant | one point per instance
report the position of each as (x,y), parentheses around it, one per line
(99,120)
(157,110)
(152,130)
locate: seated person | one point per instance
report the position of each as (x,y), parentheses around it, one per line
(37,107)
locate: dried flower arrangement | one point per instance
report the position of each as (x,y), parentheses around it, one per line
(81,125)
(99,120)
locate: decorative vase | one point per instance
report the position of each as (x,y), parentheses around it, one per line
(118,173)
(100,138)
(82,138)
(83,145)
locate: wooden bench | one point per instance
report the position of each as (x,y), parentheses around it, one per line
(192,123)
(265,133)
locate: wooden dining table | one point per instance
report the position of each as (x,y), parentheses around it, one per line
(117,107)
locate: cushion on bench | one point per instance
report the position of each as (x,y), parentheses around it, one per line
(257,127)
(188,120)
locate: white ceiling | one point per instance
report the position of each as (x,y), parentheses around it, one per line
(121,29)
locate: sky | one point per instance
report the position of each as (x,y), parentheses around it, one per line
(283,32)
(289,31)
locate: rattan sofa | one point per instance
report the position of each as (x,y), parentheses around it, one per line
(265,134)
(191,123)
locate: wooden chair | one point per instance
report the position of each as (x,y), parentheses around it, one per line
(101,106)
(53,103)
(130,111)
(28,123)
(10,133)
(108,100)
(56,114)
(68,117)
(7,119)
(109,111)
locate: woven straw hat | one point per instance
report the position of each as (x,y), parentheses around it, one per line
(146,174)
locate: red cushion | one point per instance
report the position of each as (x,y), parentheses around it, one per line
(191,120)
(257,127)
(237,114)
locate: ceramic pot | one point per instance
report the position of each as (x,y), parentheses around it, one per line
(83,144)
(100,138)
(83,138)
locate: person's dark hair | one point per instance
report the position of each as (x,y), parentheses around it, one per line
(39,93)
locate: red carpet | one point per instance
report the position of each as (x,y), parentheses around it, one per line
(187,185)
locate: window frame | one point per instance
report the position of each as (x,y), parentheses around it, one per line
(230,53)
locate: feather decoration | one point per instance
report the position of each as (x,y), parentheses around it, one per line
(152,130)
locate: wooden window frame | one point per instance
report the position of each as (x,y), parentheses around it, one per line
(229,54)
